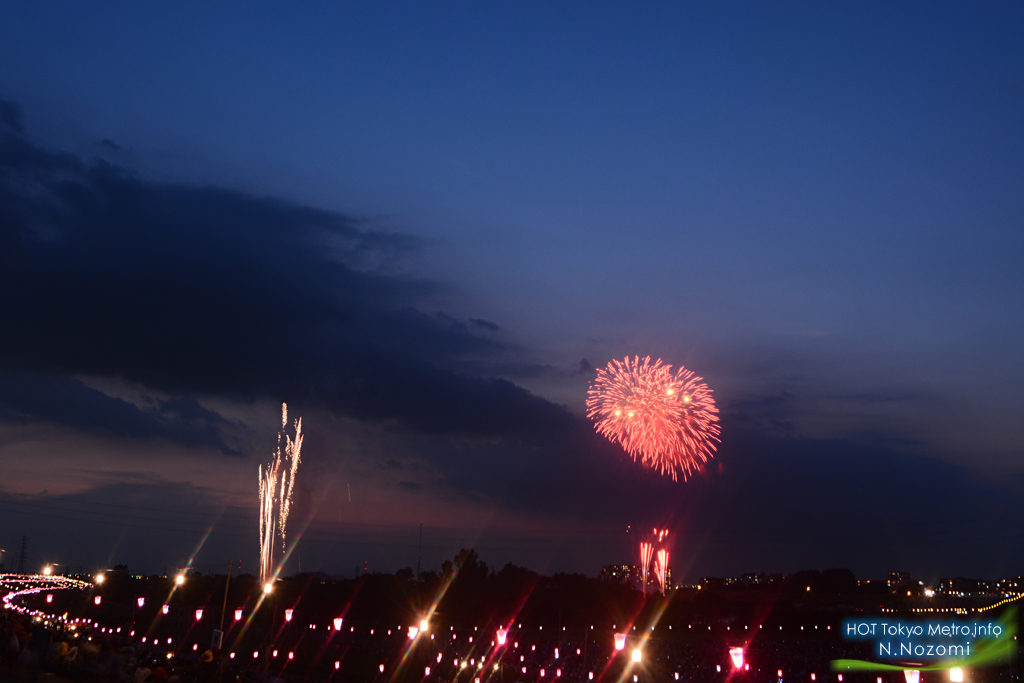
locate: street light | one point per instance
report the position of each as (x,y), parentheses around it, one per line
(101,577)
(267,588)
(47,570)
(637,655)
(179,579)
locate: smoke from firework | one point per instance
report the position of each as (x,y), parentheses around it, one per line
(665,420)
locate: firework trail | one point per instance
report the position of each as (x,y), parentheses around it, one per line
(667,421)
(661,569)
(646,552)
(277,483)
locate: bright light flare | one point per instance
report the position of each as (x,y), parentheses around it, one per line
(140,602)
(238,615)
(199,614)
(736,653)
(637,655)
(912,675)
(956,674)
(620,641)
(287,613)
(179,580)
(665,420)
(502,636)
(413,631)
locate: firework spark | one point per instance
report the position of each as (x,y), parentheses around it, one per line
(646,553)
(661,569)
(667,421)
(277,483)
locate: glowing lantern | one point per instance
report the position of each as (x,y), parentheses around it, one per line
(291,655)
(502,635)
(737,657)
(238,615)
(620,641)
(912,675)
(337,624)
(255,654)
(288,614)
(337,665)
(426,671)
(199,614)
(49,599)
(97,600)
(381,667)
(412,632)
(274,653)
(165,609)
(140,602)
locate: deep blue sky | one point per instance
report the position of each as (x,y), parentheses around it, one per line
(423,225)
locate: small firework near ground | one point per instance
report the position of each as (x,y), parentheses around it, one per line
(666,420)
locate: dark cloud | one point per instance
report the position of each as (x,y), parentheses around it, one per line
(10,116)
(110,144)
(70,403)
(486,324)
(210,290)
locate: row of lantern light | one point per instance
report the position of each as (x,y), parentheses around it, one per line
(736,654)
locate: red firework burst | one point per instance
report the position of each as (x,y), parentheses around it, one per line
(665,420)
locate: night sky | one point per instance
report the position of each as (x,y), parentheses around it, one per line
(425,225)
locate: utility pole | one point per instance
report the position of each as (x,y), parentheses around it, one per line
(23,554)
(218,635)
(227,584)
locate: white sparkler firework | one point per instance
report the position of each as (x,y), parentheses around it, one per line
(277,483)
(646,552)
(661,569)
